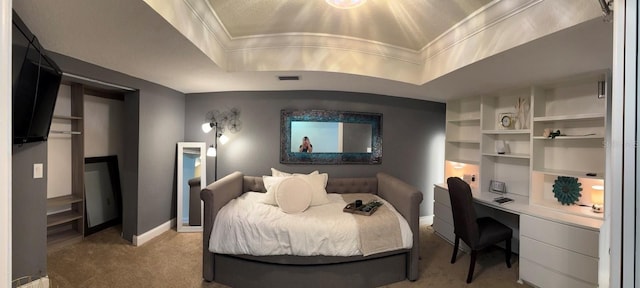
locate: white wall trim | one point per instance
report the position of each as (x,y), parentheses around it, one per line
(5,142)
(139,240)
(426,220)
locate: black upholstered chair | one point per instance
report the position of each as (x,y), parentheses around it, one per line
(477,233)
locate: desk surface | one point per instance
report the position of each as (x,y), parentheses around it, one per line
(521,205)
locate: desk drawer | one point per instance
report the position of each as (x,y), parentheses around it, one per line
(443,212)
(561,260)
(441,195)
(542,277)
(568,237)
(444,229)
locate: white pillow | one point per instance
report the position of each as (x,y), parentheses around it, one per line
(317,183)
(277,173)
(293,195)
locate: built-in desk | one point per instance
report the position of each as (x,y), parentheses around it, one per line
(556,249)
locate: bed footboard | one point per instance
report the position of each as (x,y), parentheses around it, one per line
(216,195)
(406,199)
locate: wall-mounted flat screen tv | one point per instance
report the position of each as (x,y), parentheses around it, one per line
(36,80)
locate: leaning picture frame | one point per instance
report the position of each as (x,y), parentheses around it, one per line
(497,186)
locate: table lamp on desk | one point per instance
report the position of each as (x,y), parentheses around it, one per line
(597,197)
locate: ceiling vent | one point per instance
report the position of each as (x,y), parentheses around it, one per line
(289,78)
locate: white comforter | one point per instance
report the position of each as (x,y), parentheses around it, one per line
(247,226)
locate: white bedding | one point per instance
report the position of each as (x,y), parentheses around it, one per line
(247,226)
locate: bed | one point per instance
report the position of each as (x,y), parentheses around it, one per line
(248,269)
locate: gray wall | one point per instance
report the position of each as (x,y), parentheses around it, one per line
(29,211)
(413,134)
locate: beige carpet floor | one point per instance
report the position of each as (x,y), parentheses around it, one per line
(174,260)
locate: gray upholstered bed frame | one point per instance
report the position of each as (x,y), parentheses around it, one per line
(313,271)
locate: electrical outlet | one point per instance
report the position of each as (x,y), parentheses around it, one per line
(37,170)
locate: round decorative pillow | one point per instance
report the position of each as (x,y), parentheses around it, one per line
(293,195)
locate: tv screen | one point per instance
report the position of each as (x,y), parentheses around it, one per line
(36,80)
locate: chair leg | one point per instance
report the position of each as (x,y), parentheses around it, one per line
(455,250)
(507,253)
(472,265)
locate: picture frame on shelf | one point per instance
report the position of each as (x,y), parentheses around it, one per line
(497,186)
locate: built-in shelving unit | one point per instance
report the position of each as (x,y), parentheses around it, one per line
(463,132)
(530,164)
(532,160)
(65,224)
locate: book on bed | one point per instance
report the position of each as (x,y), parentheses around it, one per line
(362,209)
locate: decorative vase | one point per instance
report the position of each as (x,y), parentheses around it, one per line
(518,124)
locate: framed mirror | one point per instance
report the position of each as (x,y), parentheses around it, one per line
(103,197)
(192,178)
(330,137)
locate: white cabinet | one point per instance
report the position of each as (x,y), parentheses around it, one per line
(443,217)
(554,254)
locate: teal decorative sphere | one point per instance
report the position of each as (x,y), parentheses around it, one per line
(567,190)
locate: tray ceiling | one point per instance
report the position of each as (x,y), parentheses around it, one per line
(410,24)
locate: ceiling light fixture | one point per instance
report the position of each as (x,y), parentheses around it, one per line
(345,4)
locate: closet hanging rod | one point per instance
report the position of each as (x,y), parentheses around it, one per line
(97,81)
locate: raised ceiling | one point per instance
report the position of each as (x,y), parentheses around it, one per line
(410,24)
(422,49)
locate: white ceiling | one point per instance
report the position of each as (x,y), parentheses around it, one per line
(152,41)
(410,24)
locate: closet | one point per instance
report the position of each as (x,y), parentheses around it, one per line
(78,108)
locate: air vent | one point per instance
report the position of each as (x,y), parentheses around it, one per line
(289,78)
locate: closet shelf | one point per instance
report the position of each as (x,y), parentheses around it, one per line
(63,117)
(62,200)
(62,217)
(65,132)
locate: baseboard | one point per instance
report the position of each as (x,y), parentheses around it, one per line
(426,220)
(39,283)
(139,240)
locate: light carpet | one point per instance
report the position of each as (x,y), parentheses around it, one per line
(174,259)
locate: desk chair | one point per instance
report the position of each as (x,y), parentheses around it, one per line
(477,233)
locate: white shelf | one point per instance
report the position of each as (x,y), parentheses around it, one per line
(465,121)
(464,161)
(519,156)
(575,117)
(506,132)
(464,141)
(569,137)
(577,174)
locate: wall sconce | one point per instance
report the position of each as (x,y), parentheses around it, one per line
(597,197)
(219,122)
